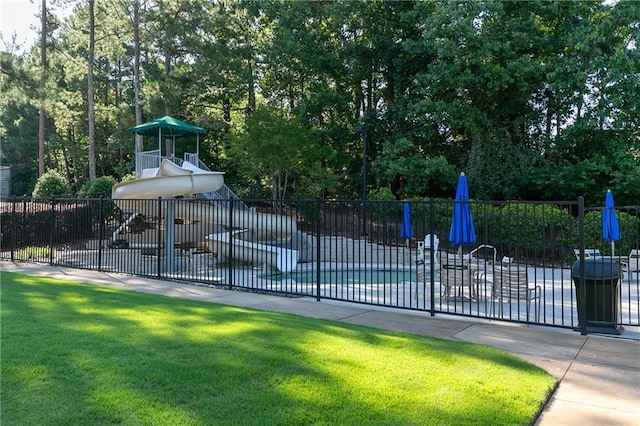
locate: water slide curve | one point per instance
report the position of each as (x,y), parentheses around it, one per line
(171,180)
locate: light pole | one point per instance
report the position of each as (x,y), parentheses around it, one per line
(363,130)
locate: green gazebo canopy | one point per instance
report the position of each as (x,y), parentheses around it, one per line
(167,127)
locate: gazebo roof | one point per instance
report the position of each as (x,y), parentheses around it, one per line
(167,127)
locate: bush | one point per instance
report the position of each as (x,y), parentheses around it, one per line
(380,209)
(533,230)
(52,184)
(129,177)
(42,223)
(100,188)
(33,253)
(628,223)
(422,220)
(97,188)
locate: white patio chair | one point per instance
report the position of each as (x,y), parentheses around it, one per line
(457,280)
(423,259)
(512,285)
(588,253)
(425,249)
(633,264)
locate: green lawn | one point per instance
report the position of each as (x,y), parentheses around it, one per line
(79,354)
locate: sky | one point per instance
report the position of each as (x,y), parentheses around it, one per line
(16,16)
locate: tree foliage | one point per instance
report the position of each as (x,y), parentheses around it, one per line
(271,150)
(51,184)
(97,188)
(534,100)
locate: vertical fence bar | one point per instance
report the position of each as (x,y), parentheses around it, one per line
(318,231)
(101,229)
(230,247)
(53,230)
(432,272)
(170,237)
(364,217)
(23,222)
(159,239)
(582,307)
(13,229)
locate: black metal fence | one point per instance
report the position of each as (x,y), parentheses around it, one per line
(519,268)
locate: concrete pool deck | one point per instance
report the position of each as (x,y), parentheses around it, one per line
(599,375)
(556,306)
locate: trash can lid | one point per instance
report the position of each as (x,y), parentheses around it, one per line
(597,269)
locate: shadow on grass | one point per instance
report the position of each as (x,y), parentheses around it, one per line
(73,353)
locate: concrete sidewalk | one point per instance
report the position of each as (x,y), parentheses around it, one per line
(599,375)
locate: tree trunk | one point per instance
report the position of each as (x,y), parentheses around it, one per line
(167,106)
(90,94)
(43,76)
(136,71)
(251,104)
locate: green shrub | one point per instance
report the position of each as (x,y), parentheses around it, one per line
(381,210)
(421,218)
(381,194)
(97,188)
(129,177)
(100,188)
(593,232)
(538,230)
(52,184)
(33,253)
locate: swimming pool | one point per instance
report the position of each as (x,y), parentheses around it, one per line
(346,276)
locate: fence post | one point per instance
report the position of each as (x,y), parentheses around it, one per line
(53,228)
(582,307)
(433,254)
(14,228)
(318,201)
(100,232)
(159,239)
(25,223)
(230,248)
(170,236)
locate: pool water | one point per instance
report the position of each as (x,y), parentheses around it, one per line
(347,276)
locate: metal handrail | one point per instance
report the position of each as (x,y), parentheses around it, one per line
(472,252)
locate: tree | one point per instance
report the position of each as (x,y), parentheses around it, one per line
(272,150)
(90,100)
(52,184)
(136,70)
(525,97)
(43,77)
(132,9)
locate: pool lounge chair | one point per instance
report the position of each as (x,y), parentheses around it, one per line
(457,280)
(623,260)
(423,259)
(510,285)
(633,263)
(588,253)
(425,249)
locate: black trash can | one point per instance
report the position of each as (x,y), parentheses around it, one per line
(600,304)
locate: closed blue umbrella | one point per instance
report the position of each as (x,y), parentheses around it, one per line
(462,231)
(610,226)
(406,231)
